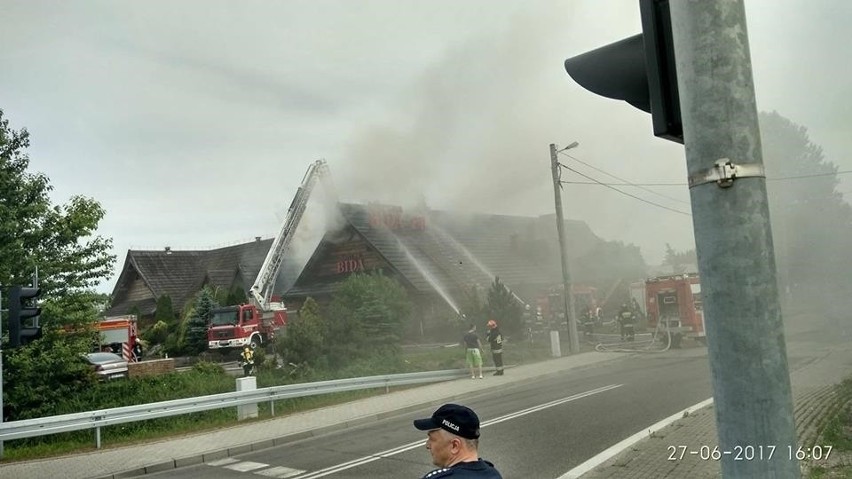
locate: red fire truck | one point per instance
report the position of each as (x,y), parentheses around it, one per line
(118,333)
(257,321)
(674,302)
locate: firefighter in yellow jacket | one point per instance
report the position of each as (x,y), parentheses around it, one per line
(247,357)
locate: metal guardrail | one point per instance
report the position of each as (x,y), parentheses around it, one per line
(108,417)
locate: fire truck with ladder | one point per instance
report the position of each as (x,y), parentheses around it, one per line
(257,321)
(673,306)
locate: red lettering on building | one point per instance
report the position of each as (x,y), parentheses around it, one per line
(350,264)
(393,218)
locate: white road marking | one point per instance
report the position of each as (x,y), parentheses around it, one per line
(621,446)
(245,466)
(222,462)
(407,447)
(280,472)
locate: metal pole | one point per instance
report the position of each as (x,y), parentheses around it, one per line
(568,298)
(745,335)
(2,416)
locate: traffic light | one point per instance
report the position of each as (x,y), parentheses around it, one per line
(22,307)
(639,70)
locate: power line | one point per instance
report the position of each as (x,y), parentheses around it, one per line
(779,178)
(643,185)
(621,184)
(626,193)
(622,179)
(808,176)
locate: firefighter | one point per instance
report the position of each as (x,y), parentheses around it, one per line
(588,323)
(495,338)
(247,357)
(626,321)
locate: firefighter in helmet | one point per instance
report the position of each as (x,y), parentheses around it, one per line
(495,339)
(626,321)
(247,357)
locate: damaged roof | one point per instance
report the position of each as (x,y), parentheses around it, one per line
(452,250)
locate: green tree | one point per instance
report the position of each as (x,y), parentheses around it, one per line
(680,260)
(304,342)
(810,220)
(472,305)
(196,325)
(367,317)
(504,308)
(165,311)
(235,296)
(58,239)
(170,334)
(71,259)
(608,262)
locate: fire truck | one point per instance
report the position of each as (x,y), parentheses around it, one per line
(674,304)
(257,321)
(118,333)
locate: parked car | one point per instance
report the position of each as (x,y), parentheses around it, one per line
(108,365)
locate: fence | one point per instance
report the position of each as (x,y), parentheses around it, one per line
(108,417)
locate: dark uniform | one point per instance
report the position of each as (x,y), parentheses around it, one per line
(627,320)
(473,470)
(460,421)
(495,339)
(588,323)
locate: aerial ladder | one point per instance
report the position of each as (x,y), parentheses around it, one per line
(261,291)
(256,322)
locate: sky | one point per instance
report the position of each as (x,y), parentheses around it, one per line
(193,122)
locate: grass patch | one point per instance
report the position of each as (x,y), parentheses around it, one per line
(838,429)
(840,472)
(836,432)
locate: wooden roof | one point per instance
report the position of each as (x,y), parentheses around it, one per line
(455,250)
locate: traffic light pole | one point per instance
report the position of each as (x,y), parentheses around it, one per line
(568,298)
(2,416)
(746,347)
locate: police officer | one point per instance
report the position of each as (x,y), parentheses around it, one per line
(453,442)
(495,339)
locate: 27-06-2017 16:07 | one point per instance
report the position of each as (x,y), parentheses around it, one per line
(750,453)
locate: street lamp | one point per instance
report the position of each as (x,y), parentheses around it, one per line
(568,298)
(572,145)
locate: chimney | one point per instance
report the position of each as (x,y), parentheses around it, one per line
(168,250)
(257,239)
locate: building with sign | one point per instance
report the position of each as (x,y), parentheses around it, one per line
(437,256)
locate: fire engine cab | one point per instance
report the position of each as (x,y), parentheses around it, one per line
(673,304)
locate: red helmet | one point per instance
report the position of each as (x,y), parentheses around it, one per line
(492,324)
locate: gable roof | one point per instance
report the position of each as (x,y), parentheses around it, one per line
(455,251)
(181,274)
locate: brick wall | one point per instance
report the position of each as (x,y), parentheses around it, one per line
(151,368)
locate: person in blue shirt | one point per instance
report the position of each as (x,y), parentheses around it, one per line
(453,442)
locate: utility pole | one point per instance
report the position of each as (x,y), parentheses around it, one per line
(568,298)
(745,335)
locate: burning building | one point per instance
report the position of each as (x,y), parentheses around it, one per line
(437,256)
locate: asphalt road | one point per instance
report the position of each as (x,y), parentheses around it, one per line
(540,428)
